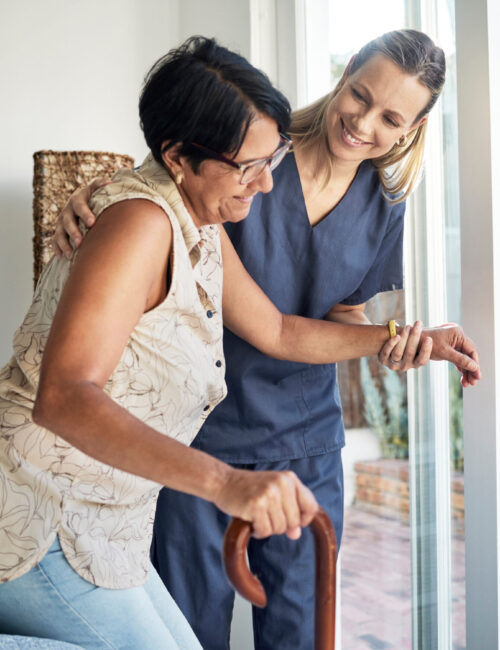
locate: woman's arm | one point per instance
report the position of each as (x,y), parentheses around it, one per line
(119,274)
(107,292)
(413,346)
(252,316)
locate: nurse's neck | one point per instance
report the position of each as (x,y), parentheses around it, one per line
(321,198)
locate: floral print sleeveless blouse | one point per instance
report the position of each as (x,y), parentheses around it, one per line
(170,375)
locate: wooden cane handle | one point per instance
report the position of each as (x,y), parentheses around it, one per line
(325,544)
(235,562)
(249,586)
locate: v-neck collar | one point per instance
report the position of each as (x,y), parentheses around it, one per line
(337,208)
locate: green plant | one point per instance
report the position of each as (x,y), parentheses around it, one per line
(385,410)
(456,421)
(387,414)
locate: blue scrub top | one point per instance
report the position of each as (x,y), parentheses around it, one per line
(279,409)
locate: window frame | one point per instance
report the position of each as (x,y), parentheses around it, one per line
(478,84)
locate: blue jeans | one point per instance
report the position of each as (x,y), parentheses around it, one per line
(8,642)
(54,602)
(186,551)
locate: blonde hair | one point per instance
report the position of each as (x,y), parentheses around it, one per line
(399,169)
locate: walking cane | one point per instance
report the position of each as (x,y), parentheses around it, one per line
(249,586)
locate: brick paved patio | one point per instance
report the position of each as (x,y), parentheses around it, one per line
(376,584)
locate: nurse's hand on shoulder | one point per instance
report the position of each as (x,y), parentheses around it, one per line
(415,346)
(67,230)
(273,502)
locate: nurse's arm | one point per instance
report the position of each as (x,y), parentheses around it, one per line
(411,351)
(348,314)
(252,316)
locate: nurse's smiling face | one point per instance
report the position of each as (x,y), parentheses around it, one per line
(377,105)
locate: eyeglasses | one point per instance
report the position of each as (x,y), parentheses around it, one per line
(251,170)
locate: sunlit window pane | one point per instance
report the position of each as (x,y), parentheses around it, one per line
(376,567)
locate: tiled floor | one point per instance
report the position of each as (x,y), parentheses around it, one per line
(376,584)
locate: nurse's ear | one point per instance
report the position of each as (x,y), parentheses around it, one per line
(403,140)
(422,120)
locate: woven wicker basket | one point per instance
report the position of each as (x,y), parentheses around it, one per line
(56,175)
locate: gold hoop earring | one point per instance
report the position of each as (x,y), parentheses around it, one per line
(179,177)
(402,140)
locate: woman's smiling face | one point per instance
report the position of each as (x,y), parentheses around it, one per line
(377,105)
(215,194)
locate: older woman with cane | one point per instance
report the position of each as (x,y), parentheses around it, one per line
(324,240)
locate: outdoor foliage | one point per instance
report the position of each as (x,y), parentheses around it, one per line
(456,422)
(387,414)
(386,411)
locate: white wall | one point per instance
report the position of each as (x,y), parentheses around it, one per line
(226,20)
(70,75)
